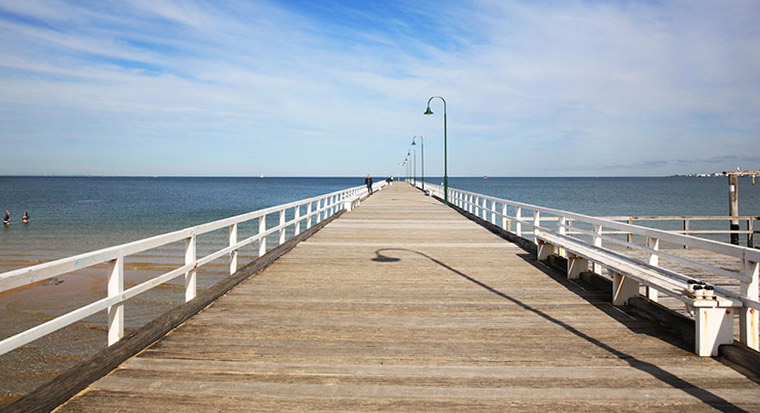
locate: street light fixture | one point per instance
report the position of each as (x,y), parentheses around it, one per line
(445,154)
(422,155)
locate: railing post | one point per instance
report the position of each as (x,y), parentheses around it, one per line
(630,234)
(686,229)
(320,203)
(262,238)
(653,259)
(518,223)
(470,205)
(297,229)
(750,232)
(116,311)
(493,211)
(234,252)
(308,214)
(190,276)
(748,317)
(504,220)
(536,224)
(561,226)
(282,226)
(597,239)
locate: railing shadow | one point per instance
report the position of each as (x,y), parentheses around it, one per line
(707,397)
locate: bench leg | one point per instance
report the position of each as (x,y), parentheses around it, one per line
(652,294)
(713,327)
(623,288)
(575,266)
(545,250)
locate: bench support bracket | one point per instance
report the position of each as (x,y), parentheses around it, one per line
(714,326)
(575,266)
(623,288)
(545,250)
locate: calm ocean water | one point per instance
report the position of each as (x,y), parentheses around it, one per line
(78,214)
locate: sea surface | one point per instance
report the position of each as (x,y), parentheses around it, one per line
(71,215)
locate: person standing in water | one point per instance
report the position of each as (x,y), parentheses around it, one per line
(25,218)
(368,182)
(7,218)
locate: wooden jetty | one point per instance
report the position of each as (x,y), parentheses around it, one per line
(404,304)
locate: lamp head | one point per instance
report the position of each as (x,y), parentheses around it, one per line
(428,111)
(413,143)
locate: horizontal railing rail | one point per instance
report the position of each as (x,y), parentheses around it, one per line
(598,233)
(305,212)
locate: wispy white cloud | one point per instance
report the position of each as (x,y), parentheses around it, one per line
(532,86)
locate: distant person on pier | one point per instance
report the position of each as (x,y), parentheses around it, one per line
(7,218)
(368,182)
(25,218)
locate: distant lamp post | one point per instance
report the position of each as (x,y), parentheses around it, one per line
(422,156)
(414,165)
(445,154)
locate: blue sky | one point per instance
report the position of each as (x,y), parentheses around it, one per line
(313,88)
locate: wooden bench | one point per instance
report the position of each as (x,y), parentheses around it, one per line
(714,317)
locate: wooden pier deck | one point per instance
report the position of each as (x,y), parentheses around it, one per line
(403,304)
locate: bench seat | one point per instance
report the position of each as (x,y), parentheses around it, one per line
(714,316)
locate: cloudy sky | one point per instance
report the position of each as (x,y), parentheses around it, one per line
(329,87)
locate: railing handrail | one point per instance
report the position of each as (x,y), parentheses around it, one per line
(326,206)
(679,239)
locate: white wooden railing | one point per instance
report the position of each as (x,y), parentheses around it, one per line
(305,213)
(530,221)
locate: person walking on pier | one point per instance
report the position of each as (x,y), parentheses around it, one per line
(368,182)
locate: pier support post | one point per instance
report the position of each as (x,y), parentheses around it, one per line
(575,266)
(234,252)
(190,276)
(748,317)
(733,206)
(713,327)
(623,288)
(116,311)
